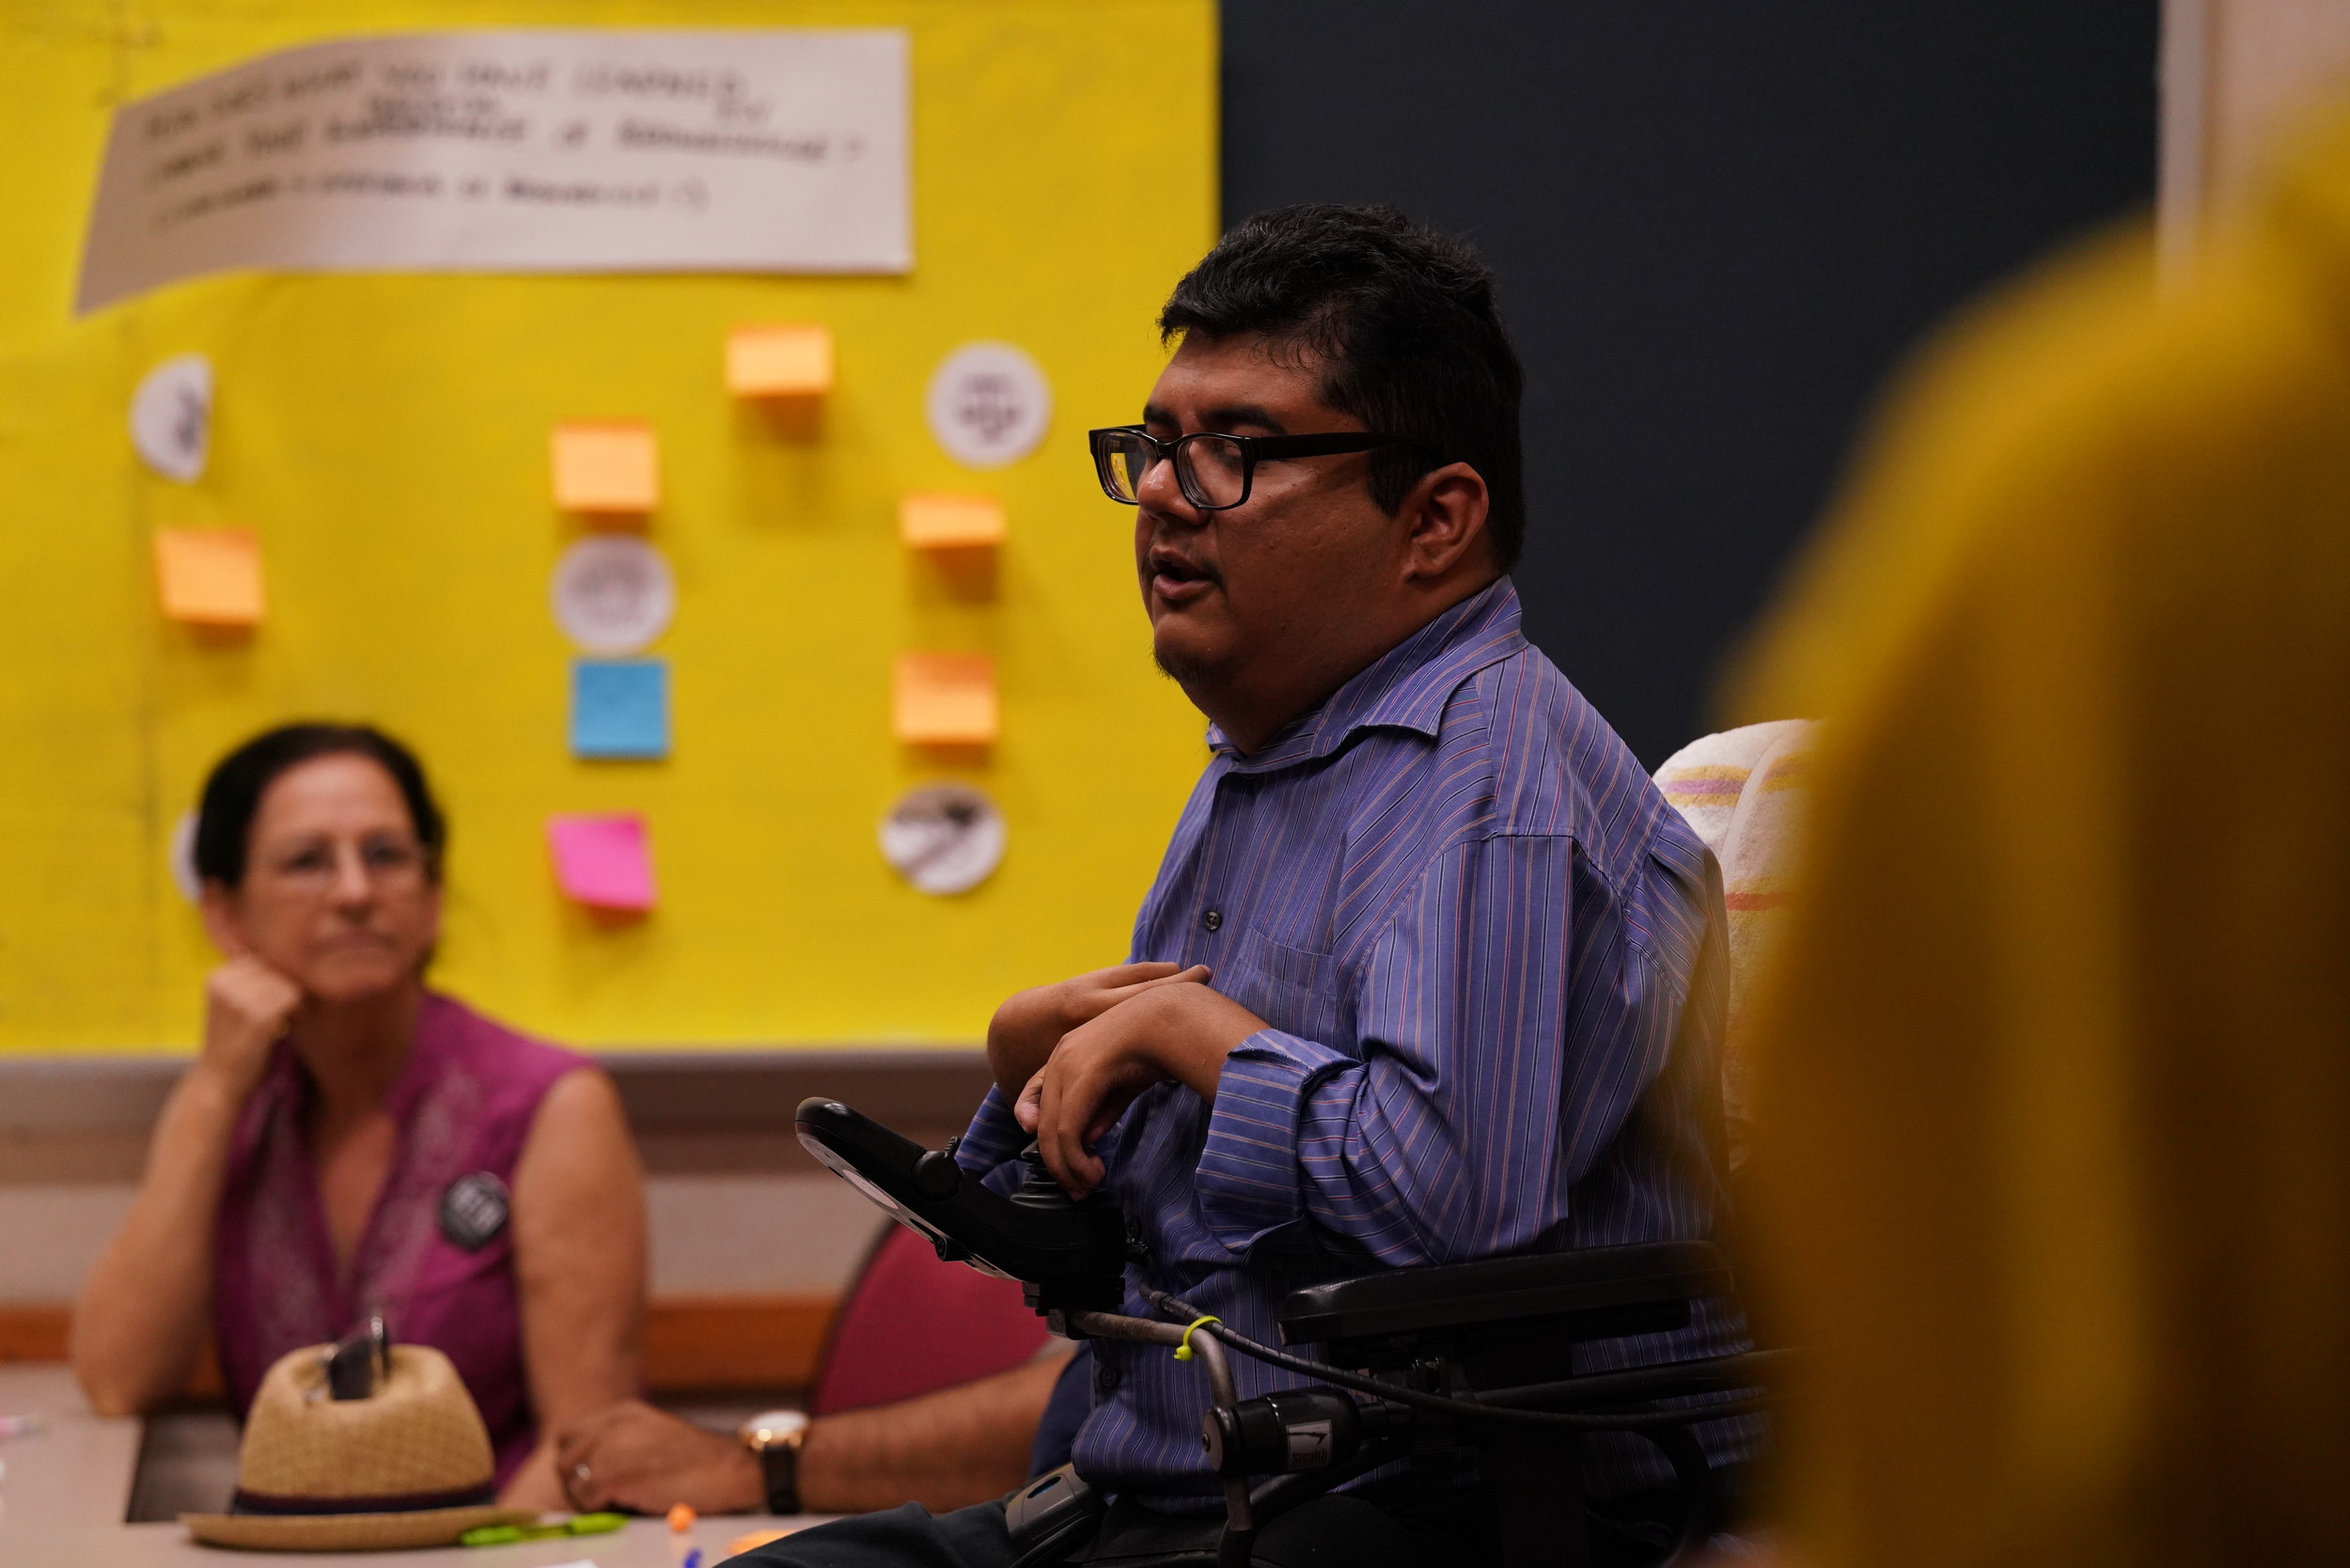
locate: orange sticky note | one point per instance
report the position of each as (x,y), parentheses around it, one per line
(944,699)
(606,467)
(934,522)
(210,577)
(791,360)
(750,1541)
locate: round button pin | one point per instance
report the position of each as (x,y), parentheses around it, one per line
(474,1210)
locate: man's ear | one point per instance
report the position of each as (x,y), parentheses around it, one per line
(217,904)
(1444,518)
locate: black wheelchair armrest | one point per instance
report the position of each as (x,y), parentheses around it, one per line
(1504,1333)
(1600,1287)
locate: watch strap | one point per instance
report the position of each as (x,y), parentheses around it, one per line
(779,1464)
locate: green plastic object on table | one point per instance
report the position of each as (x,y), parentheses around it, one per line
(578,1524)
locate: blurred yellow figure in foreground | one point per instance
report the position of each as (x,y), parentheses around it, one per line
(2053,1097)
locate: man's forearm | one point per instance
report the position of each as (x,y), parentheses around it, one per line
(948,1449)
(1196,1061)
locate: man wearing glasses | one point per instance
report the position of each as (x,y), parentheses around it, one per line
(1417,982)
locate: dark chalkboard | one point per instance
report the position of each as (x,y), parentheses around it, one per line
(1720,227)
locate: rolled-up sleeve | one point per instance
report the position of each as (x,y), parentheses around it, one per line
(1247,1173)
(1505,1023)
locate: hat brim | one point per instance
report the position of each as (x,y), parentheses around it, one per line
(348,1532)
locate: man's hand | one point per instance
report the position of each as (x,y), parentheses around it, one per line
(1025,1028)
(248,1004)
(1181,1031)
(632,1456)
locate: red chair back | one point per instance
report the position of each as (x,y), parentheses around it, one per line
(911,1325)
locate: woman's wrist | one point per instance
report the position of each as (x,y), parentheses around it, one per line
(210,1093)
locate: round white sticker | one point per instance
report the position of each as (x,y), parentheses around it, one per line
(171,417)
(613,593)
(989,404)
(183,854)
(944,837)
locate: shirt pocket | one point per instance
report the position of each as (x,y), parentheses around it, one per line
(1297,992)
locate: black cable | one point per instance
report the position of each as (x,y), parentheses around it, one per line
(1471,1409)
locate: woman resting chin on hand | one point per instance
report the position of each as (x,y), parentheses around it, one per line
(349,1143)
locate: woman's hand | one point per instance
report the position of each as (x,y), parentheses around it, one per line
(1021,1035)
(1178,1031)
(247,1007)
(146,1307)
(630,1456)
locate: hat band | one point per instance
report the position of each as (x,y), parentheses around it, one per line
(404,1502)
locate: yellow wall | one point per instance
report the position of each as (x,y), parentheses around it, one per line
(386,437)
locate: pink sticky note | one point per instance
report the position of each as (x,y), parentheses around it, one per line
(602,860)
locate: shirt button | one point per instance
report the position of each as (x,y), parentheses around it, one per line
(1213,920)
(1106,1379)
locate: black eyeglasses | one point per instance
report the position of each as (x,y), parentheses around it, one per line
(1214,471)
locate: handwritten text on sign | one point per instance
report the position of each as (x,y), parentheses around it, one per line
(540,151)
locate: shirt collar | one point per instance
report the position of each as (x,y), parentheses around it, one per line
(1404,688)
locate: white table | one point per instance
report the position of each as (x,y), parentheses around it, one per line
(65,1489)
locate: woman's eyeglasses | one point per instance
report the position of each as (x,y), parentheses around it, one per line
(313,865)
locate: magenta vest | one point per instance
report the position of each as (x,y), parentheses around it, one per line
(438,1264)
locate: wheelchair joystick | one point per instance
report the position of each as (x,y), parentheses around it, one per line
(1071,1255)
(1037,1190)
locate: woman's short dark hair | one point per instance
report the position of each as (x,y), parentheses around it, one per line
(1402,323)
(232,796)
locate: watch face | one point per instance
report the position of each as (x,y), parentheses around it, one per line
(774,1426)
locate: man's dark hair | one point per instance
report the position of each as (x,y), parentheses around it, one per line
(1402,324)
(232,796)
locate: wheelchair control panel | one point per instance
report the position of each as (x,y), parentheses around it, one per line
(1071,1255)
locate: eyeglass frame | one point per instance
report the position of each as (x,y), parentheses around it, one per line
(1253,450)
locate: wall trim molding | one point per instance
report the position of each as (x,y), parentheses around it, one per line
(695,1087)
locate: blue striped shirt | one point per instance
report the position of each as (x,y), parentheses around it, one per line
(1472,925)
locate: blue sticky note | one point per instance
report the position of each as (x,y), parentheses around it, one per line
(619,708)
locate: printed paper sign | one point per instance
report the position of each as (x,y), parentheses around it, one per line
(540,151)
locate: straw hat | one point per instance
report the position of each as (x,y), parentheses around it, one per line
(402,1461)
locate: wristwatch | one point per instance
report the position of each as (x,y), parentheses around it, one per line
(775,1437)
